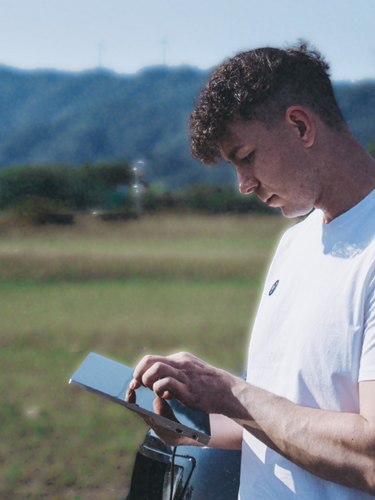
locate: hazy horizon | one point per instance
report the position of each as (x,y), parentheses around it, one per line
(124,36)
(151,66)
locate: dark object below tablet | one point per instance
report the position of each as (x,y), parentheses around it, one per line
(199,473)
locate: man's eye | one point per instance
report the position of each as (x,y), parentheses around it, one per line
(248,157)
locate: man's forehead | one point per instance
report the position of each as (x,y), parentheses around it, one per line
(236,136)
(239,130)
(241,133)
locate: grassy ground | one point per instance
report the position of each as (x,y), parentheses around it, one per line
(157,285)
(218,247)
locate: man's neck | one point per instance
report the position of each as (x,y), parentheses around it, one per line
(348,174)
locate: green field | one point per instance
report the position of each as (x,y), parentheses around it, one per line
(161,284)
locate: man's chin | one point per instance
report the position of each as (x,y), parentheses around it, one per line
(292,212)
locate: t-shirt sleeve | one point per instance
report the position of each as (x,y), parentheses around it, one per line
(367,364)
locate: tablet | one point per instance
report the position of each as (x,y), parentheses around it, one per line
(110,380)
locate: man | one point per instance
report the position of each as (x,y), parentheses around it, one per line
(305,417)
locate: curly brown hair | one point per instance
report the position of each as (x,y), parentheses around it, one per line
(260,84)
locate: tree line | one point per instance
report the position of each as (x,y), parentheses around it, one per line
(31,190)
(75,188)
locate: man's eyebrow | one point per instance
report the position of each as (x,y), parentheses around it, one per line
(232,154)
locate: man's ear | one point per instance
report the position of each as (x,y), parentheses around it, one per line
(301,120)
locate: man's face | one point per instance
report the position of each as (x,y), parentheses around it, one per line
(274,164)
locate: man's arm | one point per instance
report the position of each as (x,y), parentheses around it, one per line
(335,446)
(225,433)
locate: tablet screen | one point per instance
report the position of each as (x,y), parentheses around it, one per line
(110,379)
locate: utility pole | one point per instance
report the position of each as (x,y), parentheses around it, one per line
(164,42)
(100,49)
(138,172)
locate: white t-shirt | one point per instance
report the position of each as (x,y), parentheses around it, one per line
(313,340)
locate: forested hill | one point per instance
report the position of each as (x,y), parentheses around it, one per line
(51,116)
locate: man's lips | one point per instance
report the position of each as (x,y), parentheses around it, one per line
(264,199)
(271,201)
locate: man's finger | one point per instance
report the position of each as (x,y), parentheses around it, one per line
(134,384)
(159,371)
(148,361)
(130,396)
(144,365)
(163,409)
(169,388)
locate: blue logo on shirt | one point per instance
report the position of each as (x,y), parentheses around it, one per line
(273,287)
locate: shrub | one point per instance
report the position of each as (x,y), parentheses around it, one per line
(35,210)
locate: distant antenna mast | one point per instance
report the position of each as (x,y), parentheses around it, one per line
(373,54)
(164,42)
(100,49)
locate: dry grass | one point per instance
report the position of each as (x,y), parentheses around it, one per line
(164,247)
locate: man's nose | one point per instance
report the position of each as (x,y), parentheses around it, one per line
(246,183)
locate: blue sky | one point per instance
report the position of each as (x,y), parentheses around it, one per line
(65,34)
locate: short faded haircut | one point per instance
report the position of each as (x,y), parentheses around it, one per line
(261,84)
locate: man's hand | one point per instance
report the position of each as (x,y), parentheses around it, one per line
(195,384)
(184,377)
(163,409)
(171,438)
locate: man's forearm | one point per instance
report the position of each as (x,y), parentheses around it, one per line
(338,447)
(225,433)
